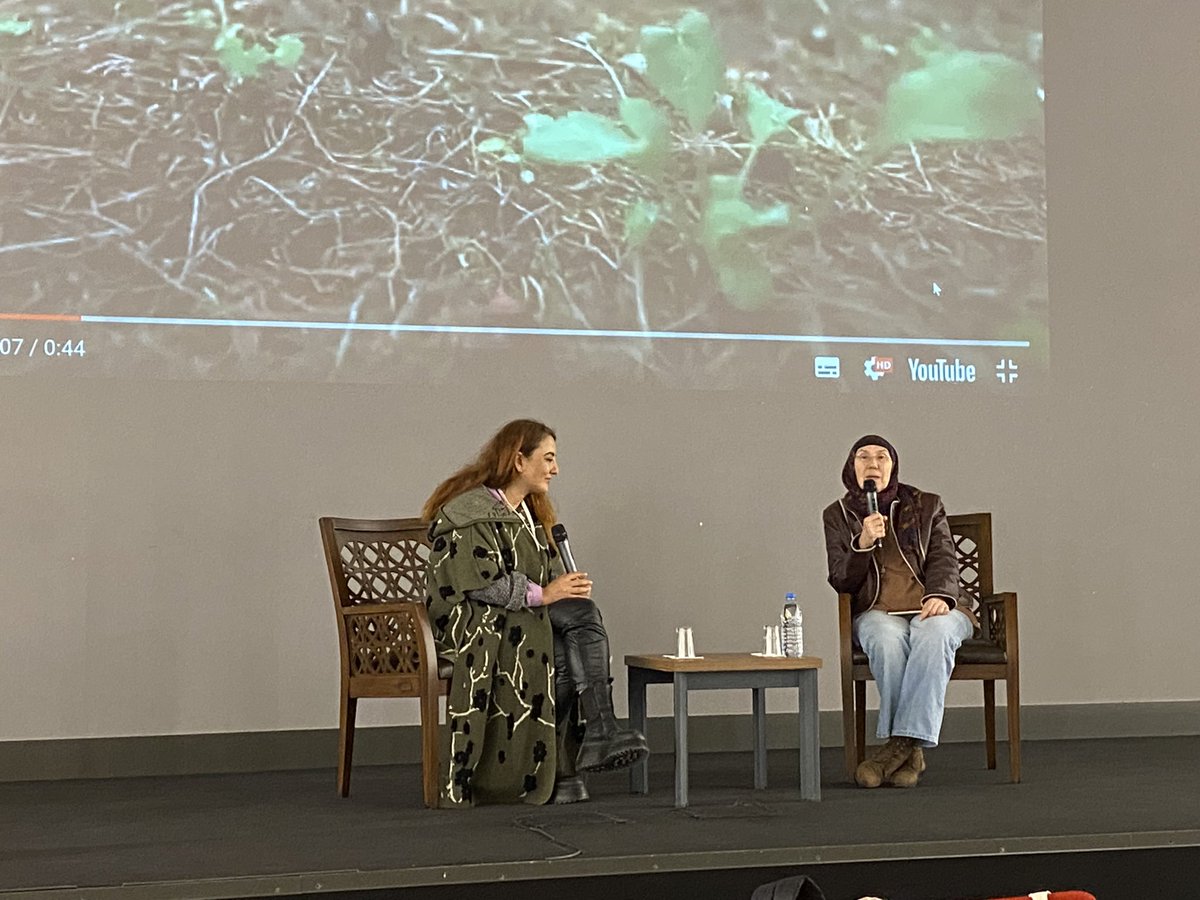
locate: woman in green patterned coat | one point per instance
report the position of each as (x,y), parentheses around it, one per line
(528,644)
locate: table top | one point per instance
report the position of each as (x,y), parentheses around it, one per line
(721,662)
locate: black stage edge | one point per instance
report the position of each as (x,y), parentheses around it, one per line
(1169,874)
(1120,818)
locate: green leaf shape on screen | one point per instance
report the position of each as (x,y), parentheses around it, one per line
(684,64)
(745,280)
(288,50)
(765,115)
(15,27)
(961,96)
(493,145)
(237,58)
(653,130)
(639,222)
(241,60)
(728,224)
(729,215)
(583,138)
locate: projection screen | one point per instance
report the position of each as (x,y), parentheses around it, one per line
(801,196)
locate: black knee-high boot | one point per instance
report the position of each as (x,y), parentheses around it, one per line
(585,646)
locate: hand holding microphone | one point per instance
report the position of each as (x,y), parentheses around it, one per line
(874,525)
(573,584)
(570,586)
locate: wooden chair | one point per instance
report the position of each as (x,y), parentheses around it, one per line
(377,570)
(994,655)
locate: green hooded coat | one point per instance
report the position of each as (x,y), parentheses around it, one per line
(501,703)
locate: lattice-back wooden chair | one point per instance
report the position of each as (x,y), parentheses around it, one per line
(994,655)
(377,570)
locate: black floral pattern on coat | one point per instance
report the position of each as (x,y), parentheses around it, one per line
(503,748)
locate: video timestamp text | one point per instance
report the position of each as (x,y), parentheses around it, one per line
(66,348)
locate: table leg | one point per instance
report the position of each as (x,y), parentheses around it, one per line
(760,738)
(639,772)
(810,736)
(681,736)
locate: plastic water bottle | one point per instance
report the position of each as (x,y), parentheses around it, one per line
(792,622)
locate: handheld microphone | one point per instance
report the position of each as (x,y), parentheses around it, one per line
(559,533)
(872,502)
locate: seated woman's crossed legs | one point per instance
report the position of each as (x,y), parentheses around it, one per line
(583,684)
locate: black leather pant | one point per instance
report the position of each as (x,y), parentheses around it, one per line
(580,649)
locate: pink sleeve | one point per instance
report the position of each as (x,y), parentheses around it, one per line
(533,593)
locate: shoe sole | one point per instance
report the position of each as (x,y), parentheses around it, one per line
(618,760)
(563,800)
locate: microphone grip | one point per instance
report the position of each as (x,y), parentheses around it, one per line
(564,549)
(559,533)
(873,506)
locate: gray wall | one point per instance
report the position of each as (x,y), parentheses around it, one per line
(162,572)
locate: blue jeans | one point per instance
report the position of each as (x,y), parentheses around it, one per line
(911,660)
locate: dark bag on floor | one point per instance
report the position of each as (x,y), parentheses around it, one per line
(796,887)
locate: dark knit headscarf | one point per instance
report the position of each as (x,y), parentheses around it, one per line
(856,497)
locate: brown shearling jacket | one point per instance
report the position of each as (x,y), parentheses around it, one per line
(919,521)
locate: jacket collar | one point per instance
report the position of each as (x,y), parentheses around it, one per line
(469,508)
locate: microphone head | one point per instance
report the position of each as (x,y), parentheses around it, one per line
(559,533)
(872,498)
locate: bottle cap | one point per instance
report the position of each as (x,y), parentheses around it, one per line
(789,596)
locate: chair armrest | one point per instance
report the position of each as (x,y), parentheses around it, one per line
(398,607)
(1000,618)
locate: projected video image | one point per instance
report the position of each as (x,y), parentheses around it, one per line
(716,194)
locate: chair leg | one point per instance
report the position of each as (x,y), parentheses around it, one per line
(848,732)
(345,741)
(430,741)
(1013,684)
(989,721)
(860,720)
(848,744)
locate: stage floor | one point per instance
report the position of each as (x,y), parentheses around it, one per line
(286,833)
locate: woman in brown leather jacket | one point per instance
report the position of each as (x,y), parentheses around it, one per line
(899,566)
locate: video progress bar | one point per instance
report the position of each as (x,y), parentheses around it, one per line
(396,328)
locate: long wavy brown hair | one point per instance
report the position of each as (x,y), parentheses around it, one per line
(495,467)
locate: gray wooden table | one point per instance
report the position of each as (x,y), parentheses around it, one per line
(725,671)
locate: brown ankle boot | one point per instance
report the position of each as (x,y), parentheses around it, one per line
(884,762)
(910,773)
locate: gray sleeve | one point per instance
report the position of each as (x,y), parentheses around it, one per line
(508,592)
